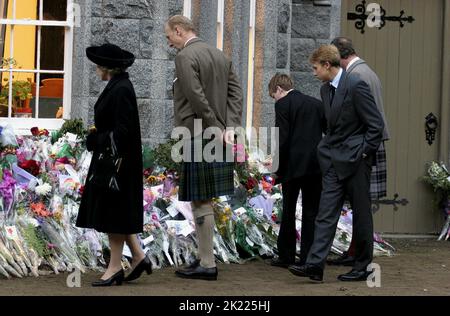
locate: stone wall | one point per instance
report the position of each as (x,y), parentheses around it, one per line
(137,26)
(312,25)
(287,31)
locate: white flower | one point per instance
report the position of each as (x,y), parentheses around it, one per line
(44,189)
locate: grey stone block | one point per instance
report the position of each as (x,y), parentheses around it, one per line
(130,9)
(169,81)
(80,109)
(175,7)
(307,83)
(268,115)
(124,33)
(284,18)
(96,85)
(152,118)
(141,76)
(282,50)
(309,21)
(147,38)
(301,49)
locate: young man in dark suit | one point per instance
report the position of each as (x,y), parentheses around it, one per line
(346,153)
(300,119)
(352,64)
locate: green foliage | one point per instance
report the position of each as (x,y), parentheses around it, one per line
(21,89)
(33,241)
(74,126)
(438,177)
(163,156)
(148,157)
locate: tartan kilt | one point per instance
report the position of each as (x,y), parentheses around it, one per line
(205,180)
(378,179)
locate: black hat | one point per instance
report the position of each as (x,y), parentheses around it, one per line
(110,56)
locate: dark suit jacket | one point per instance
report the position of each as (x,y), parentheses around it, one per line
(301,121)
(206,88)
(355,126)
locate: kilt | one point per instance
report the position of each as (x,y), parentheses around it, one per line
(205,180)
(378,187)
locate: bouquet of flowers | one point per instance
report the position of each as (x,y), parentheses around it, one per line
(438,177)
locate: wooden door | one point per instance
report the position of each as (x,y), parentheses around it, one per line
(408,61)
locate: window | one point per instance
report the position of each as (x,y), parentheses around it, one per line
(36,53)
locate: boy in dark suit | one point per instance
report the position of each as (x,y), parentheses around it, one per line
(300,119)
(346,153)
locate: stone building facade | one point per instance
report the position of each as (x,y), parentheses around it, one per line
(286,32)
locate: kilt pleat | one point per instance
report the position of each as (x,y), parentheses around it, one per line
(378,180)
(205,180)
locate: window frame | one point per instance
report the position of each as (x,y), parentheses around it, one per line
(23,125)
(220,23)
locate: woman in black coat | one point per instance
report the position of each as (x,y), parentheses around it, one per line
(119,213)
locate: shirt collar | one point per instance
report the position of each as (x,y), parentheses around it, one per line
(187,42)
(335,81)
(354,60)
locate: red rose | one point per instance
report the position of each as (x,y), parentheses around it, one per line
(35,131)
(32,166)
(81,190)
(251,183)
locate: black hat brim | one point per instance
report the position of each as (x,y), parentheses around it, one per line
(93,55)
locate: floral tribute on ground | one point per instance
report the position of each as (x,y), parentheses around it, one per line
(41,184)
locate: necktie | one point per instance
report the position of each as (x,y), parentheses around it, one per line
(332,93)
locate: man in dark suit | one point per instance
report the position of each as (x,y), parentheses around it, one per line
(301,121)
(352,64)
(346,153)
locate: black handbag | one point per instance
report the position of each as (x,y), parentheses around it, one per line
(106,168)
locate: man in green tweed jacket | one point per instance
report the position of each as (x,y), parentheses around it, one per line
(207,94)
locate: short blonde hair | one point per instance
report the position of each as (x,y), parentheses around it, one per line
(111,71)
(326,54)
(181,21)
(280,80)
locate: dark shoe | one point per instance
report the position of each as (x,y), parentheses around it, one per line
(344,260)
(116,278)
(144,265)
(198,272)
(277,262)
(354,275)
(307,271)
(194,264)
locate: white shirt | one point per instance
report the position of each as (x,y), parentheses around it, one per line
(352,62)
(335,82)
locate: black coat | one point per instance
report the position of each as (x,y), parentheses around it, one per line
(355,126)
(116,212)
(301,121)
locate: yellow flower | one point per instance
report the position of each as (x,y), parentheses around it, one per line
(58,216)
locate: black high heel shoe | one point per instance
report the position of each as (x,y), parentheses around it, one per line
(116,278)
(144,265)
